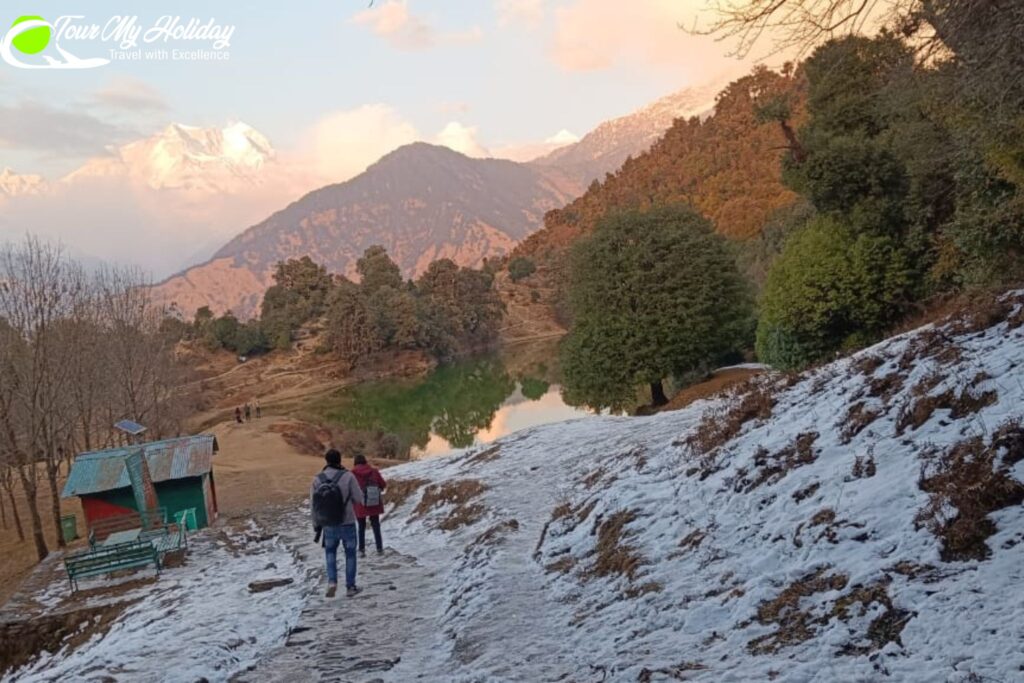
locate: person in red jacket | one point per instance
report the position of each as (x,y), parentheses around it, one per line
(373,485)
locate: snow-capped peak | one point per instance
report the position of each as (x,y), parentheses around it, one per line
(189,158)
(15,185)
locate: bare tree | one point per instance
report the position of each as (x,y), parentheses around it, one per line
(38,287)
(797,25)
(143,376)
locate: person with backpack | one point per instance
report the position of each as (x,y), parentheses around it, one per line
(373,485)
(333,496)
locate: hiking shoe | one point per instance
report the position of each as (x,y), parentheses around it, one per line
(352,591)
(332,588)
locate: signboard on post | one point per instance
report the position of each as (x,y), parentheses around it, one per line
(142,483)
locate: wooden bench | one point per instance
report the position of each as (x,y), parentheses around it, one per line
(108,559)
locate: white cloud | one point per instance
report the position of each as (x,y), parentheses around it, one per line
(343,143)
(591,35)
(462,139)
(528,12)
(529,151)
(392,21)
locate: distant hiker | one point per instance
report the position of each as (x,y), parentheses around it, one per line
(373,485)
(248,412)
(238,415)
(333,496)
(259,410)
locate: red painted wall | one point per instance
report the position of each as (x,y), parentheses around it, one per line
(96,509)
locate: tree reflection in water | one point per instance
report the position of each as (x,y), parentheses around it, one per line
(454,402)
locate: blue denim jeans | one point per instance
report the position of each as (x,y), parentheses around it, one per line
(345,534)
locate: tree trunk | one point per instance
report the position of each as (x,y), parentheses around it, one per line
(52,470)
(3,513)
(658,397)
(15,515)
(795,148)
(31,497)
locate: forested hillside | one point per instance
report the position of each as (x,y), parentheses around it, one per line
(726,166)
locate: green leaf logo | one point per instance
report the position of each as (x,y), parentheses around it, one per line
(33,40)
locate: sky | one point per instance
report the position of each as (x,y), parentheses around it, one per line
(336,84)
(513,71)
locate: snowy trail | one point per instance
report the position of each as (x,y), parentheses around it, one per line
(350,639)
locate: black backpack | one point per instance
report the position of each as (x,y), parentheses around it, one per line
(328,502)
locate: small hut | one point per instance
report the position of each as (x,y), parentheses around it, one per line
(180,472)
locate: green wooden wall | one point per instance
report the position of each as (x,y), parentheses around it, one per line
(175,495)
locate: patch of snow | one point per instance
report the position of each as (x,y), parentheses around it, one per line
(713,550)
(198,621)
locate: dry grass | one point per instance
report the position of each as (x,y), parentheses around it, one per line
(863,467)
(968,402)
(718,383)
(399,490)
(755,402)
(612,555)
(693,540)
(486,455)
(643,589)
(887,386)
(772,468)
(867,365)
(792,624)
(457,495)
(596,477)
(795,625)
(677,672)
(806,492)
(496,534)
(563,565)
(857,419)
(973,478)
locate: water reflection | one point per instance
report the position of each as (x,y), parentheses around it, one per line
(454,407)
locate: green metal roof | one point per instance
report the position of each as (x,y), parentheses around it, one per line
(186,456)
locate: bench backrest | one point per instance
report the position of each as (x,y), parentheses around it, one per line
(122,553)
(147,519)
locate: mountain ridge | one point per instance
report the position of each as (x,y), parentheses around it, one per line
(422,202)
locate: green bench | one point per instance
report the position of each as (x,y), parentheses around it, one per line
(166,539)
(108,559)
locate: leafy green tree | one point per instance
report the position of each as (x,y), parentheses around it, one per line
(299,294)
(654,294)
(533,388)
(396,317)
(249,339)
(831,288)
(378,270)
(460,302)
(521,267)
(352,331)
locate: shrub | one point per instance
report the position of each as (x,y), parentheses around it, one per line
(830,289)
(521,267)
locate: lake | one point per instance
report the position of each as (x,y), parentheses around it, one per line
(458,405)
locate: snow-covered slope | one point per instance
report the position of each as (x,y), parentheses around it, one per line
(208,160)
(861,522)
